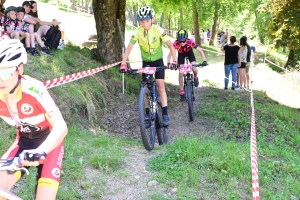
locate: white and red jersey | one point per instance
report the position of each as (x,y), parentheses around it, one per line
(35,108)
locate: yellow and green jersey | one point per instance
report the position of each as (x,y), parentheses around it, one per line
(150,42)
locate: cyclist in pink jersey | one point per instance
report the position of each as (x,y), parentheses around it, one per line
(40,128)
(185,47)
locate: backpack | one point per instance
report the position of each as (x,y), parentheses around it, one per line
(52,37)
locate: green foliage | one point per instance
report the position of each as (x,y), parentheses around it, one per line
(283,27)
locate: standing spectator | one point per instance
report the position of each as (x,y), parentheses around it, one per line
(208,35)
(223,39)
(231,62)
(243,51)
(193,35)
(226,33)
(248,64)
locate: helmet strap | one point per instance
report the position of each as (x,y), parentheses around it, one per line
(13,90)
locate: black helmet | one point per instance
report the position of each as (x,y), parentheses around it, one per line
(182,35)
(145,13)
(10,8)
(20,9)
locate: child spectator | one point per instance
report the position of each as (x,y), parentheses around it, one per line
(20,28)
(11,23)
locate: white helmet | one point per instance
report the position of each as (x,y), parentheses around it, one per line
(12,53)
(145,13)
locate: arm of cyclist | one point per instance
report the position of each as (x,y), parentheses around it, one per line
(123,66)
(172,52)
(204,63)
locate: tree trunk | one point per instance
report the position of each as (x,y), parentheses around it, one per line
(134,8)
(162,19)
(290,58)
(169,25)
(106,13)
(214,26)
(181,17)
(196,25)
(284,49)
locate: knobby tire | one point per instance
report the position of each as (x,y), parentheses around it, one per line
(148,134)
(189,99)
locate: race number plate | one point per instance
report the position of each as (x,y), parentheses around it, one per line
(147,70)
(186,68)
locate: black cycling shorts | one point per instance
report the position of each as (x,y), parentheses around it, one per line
(160,74)
(182,56)
(243,65)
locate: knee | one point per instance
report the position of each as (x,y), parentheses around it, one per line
(161,87)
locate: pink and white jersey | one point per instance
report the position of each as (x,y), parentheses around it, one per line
(35,108)
(186,48)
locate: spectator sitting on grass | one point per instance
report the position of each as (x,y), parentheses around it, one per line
(34,13)
(42,30)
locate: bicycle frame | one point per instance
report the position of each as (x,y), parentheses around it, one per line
(151,85)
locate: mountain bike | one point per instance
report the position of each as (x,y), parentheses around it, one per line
(188,76)
(12,165)
(150,109)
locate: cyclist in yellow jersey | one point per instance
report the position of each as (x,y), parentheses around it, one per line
(150,38)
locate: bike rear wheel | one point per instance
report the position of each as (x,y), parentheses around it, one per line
(147,132)
(161,131)
(189,99)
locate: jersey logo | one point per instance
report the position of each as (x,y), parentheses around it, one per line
(56,172)
(154,39)
(37,90)
(28,128)
(26,109)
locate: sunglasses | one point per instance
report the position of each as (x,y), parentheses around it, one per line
(7,73)
(182,41)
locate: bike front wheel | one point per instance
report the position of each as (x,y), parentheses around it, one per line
(147,119)
(190,100)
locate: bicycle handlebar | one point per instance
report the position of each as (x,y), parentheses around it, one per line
(15,164)
(194,65)
(142,70)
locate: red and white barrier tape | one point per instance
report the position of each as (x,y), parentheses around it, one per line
(254,163)
(69,78)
